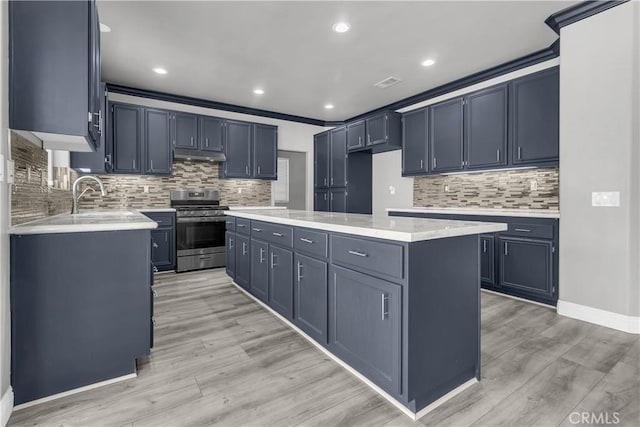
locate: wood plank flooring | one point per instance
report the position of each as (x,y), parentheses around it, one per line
(222,359)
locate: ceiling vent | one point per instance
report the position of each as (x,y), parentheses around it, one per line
(388,82)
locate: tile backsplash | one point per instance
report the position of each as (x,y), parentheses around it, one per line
(32,198)
(500,189)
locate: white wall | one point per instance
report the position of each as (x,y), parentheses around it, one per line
(6,401)
(387,178)
(599,151)
(292,136)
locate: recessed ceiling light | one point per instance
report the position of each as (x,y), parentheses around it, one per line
(104,28)
(428,62)
(258,91)
(328,106)
(341,27)
(160,70)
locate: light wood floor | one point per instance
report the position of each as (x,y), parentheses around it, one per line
(220,358)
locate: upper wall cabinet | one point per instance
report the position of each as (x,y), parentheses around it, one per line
(265,151)
(211,133)
(414,143)
(126,137)
(445,136)
(535,112)
(378,133)
(185,130)
(98,161)
(356,135)
(251,150)
(54,73)
(157,141)
(485,129)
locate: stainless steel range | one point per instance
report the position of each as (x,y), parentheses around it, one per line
(200,239)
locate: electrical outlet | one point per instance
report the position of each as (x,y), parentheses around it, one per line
(446,188)
(239,190)
(145,189)
(533,185)
(392,190)
(605,198)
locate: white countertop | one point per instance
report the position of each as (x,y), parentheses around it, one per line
(110,220)
(382,227)
(529,213)
(255,208)
(157,210)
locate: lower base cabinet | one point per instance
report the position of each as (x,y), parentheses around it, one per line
(310,293)
(230,247)
(260,270)
(243,261)
(281,281)
(487,261)
(364,325)
(321,201)
(526,265)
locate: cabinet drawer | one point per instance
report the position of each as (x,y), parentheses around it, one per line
(274,233)
(243,226)
(164,219)
(310,242)
(383,259)
(230,223)
(524,229)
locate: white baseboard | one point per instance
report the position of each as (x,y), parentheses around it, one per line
(414,416)
(6,406)
(621,322)
(517,298)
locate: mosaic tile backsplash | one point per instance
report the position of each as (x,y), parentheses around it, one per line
(33,199)
(500,189)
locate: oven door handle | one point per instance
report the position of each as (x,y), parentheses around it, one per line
(200,219)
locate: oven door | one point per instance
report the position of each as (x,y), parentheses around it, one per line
(200,235)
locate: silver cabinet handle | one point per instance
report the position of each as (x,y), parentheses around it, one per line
(421,164)
(299,271)
(331,180)
(155,269)
(273,262)
(246,169)
(151,164)
(277,234)
(325,197)
(192,141)
(384,311)
(206,142)
(261,255)
(484,244)
(244,248)
(240,225)
(230,242)
(155,245)
(519,153)
(325,181)
(332,197)
(498,155)
(368,137)
(306,240)
(524,230)
(258,170)
(434,163)
(134,163)
(359,141)
(506,248)
(358,253)
(257,229)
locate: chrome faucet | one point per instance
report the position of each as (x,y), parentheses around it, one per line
(76,198)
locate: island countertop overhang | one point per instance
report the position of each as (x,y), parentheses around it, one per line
(400,229)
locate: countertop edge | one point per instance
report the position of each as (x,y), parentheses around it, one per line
(63,229)
(480,212)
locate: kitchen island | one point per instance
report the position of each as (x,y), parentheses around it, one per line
(81,301)
(394,300)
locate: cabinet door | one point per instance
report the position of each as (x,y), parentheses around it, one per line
(237,148)
(265,151)
(163,247)
(338,200)
(98,161)
(243,262)
(535,117)
(310,297)
(260,269)
(281,281)
(355,135)
(211,133)
(185,130)
(486,128)
(96,128)
(338,174)
(231,254)
(157,141)
(126,131)
(364,325)
(526,265)
(321,160)
(445,136)
(414,143)
(321,201)
(377,129)
(487,262)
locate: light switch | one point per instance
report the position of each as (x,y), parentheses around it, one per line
(533,185)
(605,198)
(392,190)
(145,189)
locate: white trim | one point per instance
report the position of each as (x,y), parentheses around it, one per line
(621,322)
(74,391)
(6,406)
(414,416)
(518,298)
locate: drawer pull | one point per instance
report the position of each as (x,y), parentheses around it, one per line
(357,253)
(257,229)
(241,225)
(506,248)
(385,312)
(484,244)
(277,234)
(306,240)
(230,242)
(524,230)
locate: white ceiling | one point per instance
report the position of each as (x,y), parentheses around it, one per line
(221,51)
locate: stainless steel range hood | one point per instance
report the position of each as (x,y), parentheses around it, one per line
(198,156)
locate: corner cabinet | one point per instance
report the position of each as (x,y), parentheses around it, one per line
(54,73)
(99,161)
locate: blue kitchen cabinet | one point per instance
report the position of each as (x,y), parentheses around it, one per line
(338,157)
(486,128)
(338,199)
(99,161)
(415,143)
(356,135)
(185,130)
(63,38)
(126,129)
(310,296)
(163,243)
(321,201)
(321,160)
(243,261)
(487,260)
(237,148)
(526,266)
(211,133)
(157,142)
(445,136)
(281,280)
(265,151)
(230,266)
(260,269)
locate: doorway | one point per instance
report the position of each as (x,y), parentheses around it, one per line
(289,190)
